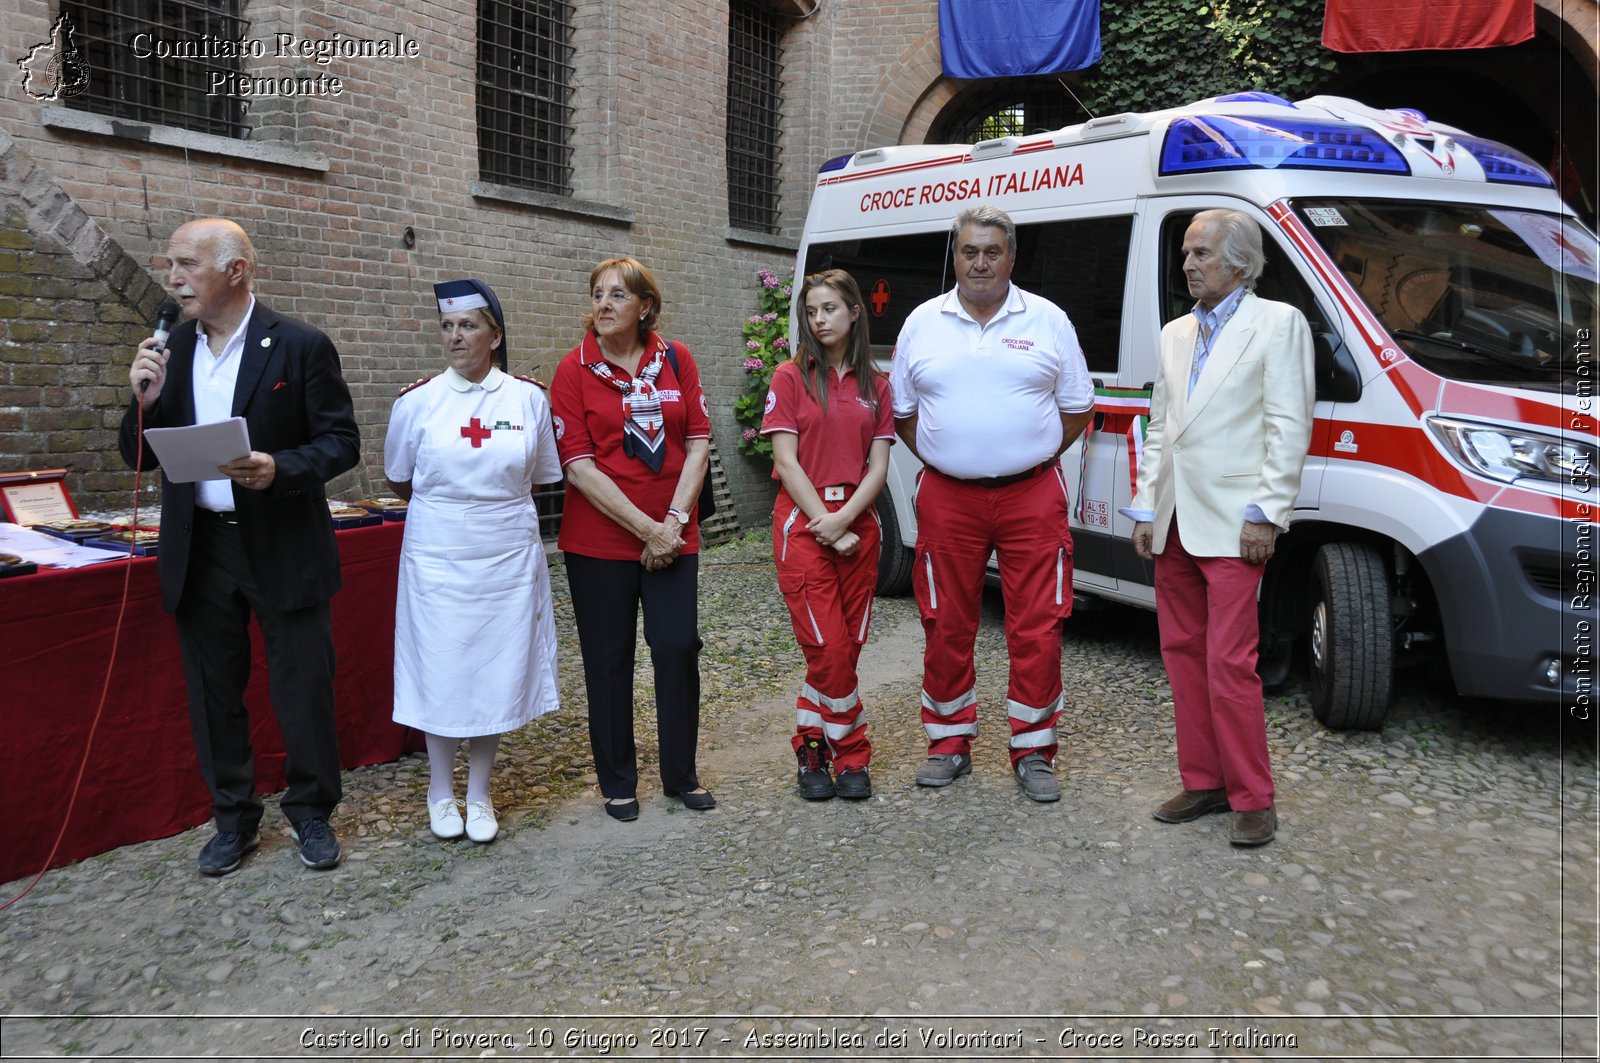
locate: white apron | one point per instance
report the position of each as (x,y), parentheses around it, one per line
(475,639)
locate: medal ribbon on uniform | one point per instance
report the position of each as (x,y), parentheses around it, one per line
(644,426)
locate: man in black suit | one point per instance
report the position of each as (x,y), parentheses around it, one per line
(258,541)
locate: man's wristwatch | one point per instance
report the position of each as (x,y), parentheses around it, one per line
(683,518)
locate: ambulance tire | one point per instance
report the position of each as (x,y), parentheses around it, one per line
(1352,643)
(894,557)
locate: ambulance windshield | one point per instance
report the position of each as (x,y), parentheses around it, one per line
(1473,293)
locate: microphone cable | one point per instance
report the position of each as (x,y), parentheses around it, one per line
(105,690)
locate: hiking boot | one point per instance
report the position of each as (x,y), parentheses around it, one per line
(1037,777)
(855,784)
(815,782)
(942,769)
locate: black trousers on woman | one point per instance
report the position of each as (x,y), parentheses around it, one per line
(606,596)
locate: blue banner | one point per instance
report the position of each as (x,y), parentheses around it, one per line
(1008,38)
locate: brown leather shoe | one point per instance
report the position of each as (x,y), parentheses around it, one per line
(1257,827)
(1192,804)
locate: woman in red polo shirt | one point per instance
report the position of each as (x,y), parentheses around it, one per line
(634,437)
(829,419)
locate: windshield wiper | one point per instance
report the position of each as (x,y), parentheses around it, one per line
(1454,344)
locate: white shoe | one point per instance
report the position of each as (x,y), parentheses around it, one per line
(445,819)
(481,824)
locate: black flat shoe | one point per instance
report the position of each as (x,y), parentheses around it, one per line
(625,811)
(699,802)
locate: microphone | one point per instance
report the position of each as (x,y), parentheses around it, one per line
(166,317)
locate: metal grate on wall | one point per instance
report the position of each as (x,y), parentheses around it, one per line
(1008,112)
(524,94)
(166,62)
(755,108)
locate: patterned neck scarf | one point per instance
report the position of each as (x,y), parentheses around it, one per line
(644,433)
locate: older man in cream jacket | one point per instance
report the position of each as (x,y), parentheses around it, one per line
(1230,423)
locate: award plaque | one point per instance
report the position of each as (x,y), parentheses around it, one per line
(36,497)
(140,542)
(386,506)
(12,565)
(75,530)
(351,516)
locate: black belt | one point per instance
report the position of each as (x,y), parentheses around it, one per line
(213,517)
(999,481)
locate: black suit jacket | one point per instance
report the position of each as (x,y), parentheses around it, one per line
(298,409)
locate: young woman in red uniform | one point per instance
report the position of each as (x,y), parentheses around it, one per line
(829,418)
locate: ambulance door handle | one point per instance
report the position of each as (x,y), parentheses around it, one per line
(1099,422)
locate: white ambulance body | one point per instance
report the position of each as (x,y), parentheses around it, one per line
(1449,495)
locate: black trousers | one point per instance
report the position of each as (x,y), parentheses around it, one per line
(213,618)
(606,596)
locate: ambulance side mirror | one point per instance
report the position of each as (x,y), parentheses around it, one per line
(1338,379)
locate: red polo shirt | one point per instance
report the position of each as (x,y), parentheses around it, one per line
(588,424)
(833,444)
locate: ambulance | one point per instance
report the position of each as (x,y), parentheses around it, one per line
(1447,507)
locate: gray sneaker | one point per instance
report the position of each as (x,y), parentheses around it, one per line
(942,769)
(1037,777)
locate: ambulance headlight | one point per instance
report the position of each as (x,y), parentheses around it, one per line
(1512,454)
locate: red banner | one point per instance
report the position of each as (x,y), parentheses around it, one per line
(1416,25)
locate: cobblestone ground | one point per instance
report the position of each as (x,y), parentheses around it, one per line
(1431,895)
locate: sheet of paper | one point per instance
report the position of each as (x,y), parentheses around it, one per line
(45,549)
(194,452)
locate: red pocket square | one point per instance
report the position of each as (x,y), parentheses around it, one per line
(280,384)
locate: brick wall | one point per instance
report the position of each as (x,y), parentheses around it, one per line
(328,187)
(68,297)
(397,150)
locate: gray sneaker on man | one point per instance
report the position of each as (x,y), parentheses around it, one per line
(942,769)
(1037,777)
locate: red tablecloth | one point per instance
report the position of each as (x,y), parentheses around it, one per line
(142,780)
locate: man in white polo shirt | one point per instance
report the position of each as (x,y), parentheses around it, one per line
(989,388)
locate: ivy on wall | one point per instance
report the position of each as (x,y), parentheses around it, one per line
(1165,53)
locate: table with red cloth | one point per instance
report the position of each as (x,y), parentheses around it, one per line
(142,779)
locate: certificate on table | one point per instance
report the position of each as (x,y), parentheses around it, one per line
(44,549)
(195,451)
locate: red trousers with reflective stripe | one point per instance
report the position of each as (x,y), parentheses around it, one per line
(958,524)
(1206,609)
(829,596)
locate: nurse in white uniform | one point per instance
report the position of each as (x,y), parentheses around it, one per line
(474,634)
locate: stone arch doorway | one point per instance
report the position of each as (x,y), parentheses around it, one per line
(1537,97)
(1014,107)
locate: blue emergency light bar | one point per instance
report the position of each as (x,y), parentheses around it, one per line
(1254,97)
(838,162)
(1213,142)
(1504,165)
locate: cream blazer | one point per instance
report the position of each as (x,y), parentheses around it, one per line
(1240,438)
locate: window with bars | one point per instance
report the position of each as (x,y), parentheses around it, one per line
(156,61)
(755,106)
(525,94)
(1009,112)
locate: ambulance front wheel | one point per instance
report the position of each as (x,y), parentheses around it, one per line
(894,557)
(1352,643)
